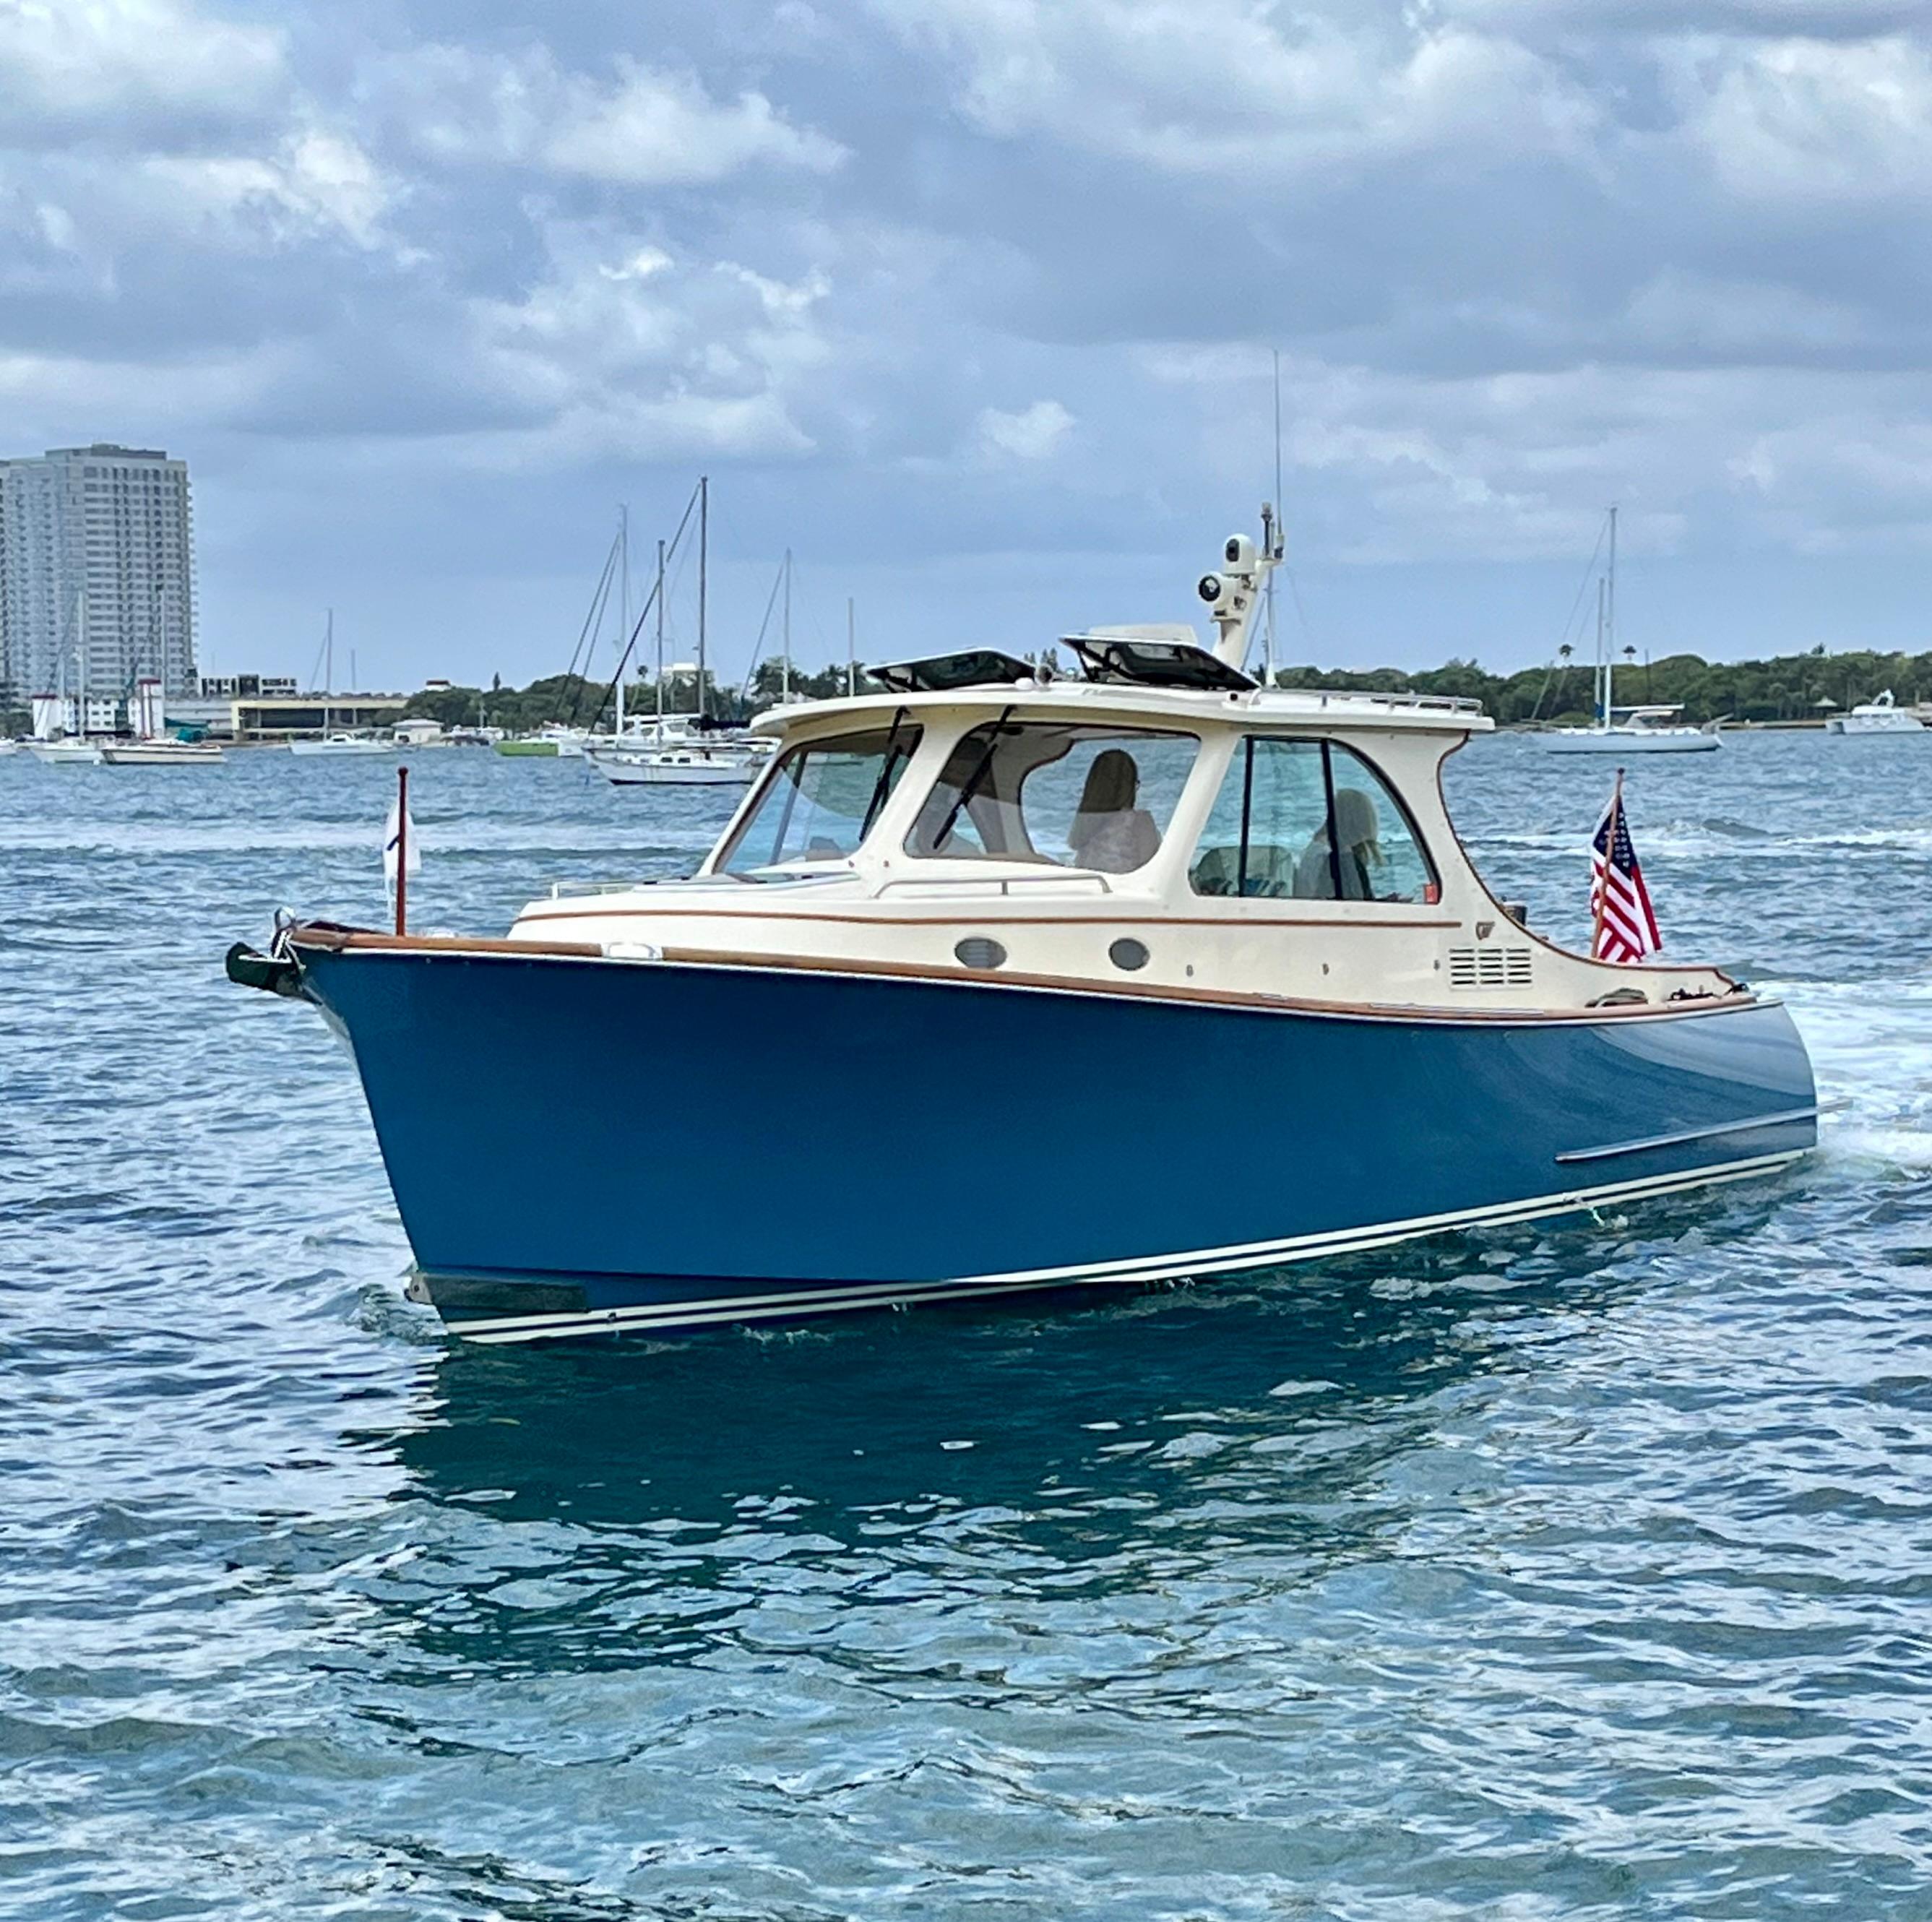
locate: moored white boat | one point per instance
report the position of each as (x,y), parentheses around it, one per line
(161,753)
(696,766)
(1151,974)
(1643,730)
(342,744)
(72,751)
(1651,729)
(1882,716)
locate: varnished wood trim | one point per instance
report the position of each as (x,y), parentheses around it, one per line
(335,939)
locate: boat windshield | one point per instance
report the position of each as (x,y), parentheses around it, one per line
(821,800)
(1093,797)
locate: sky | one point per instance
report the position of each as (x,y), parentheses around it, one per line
(974,304)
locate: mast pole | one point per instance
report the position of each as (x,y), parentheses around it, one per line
(703,564)
(1610,618)
(784,682)
(1598,692)
(851,647)
(623,605)
(660,666)
(327,666)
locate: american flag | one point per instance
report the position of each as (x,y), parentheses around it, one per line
(1624,925)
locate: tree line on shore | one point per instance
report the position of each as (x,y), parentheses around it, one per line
(1784,688)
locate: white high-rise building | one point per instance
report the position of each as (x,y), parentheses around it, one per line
(96,573)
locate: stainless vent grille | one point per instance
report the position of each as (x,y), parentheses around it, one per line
(1490,967)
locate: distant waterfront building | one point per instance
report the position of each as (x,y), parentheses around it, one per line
(96,573)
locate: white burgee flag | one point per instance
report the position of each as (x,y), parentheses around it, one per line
(392,834)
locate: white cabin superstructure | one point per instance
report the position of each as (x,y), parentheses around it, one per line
(1269,845)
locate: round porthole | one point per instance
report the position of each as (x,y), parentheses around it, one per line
(1128,953)
(979,951)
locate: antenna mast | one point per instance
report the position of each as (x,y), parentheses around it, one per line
(1271,528)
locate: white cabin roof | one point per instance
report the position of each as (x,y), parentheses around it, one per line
(1331,710)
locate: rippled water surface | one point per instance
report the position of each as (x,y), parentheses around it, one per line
(1579,1571)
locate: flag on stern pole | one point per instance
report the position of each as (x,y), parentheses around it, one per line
(1623,925)
(399,835)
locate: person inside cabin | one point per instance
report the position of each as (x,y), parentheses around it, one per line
(1110,833)
(1357,838)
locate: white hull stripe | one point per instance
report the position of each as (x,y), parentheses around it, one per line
(1690,1135)
(1156,1268)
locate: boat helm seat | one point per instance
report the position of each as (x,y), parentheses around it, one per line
(1217,870)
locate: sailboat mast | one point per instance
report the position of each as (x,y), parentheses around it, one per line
(851,648)
(623,608)
(660,666)
(327,666)
(784,682)
(1609,643)
(1599,693)
(703,563)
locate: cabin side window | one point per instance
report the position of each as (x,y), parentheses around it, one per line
(821,799)
(1310,820)
(1092,797)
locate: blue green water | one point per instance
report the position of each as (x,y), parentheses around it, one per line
(1566,1571)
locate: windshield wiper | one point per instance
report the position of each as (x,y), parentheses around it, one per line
(973,780)
(884,785)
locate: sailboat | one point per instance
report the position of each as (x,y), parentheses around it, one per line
(675,751)
(63,749)
(336,742)
(151,745)
(1649,730)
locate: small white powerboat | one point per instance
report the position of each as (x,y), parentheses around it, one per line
(1882,716)
(342,744)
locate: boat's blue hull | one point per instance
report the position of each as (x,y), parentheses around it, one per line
(577,1145)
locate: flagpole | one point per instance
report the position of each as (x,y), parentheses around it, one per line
(402,849)
(1599,885)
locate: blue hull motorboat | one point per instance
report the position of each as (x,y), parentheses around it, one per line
(1000,981)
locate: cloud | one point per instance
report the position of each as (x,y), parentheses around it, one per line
(646,126)
(1811,121)
(69,64)
(1033,433)
(1220,87)
(315,184)
(626,348)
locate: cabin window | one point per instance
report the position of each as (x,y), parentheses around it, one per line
(821,799)
(1092,797)
(1310,820)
